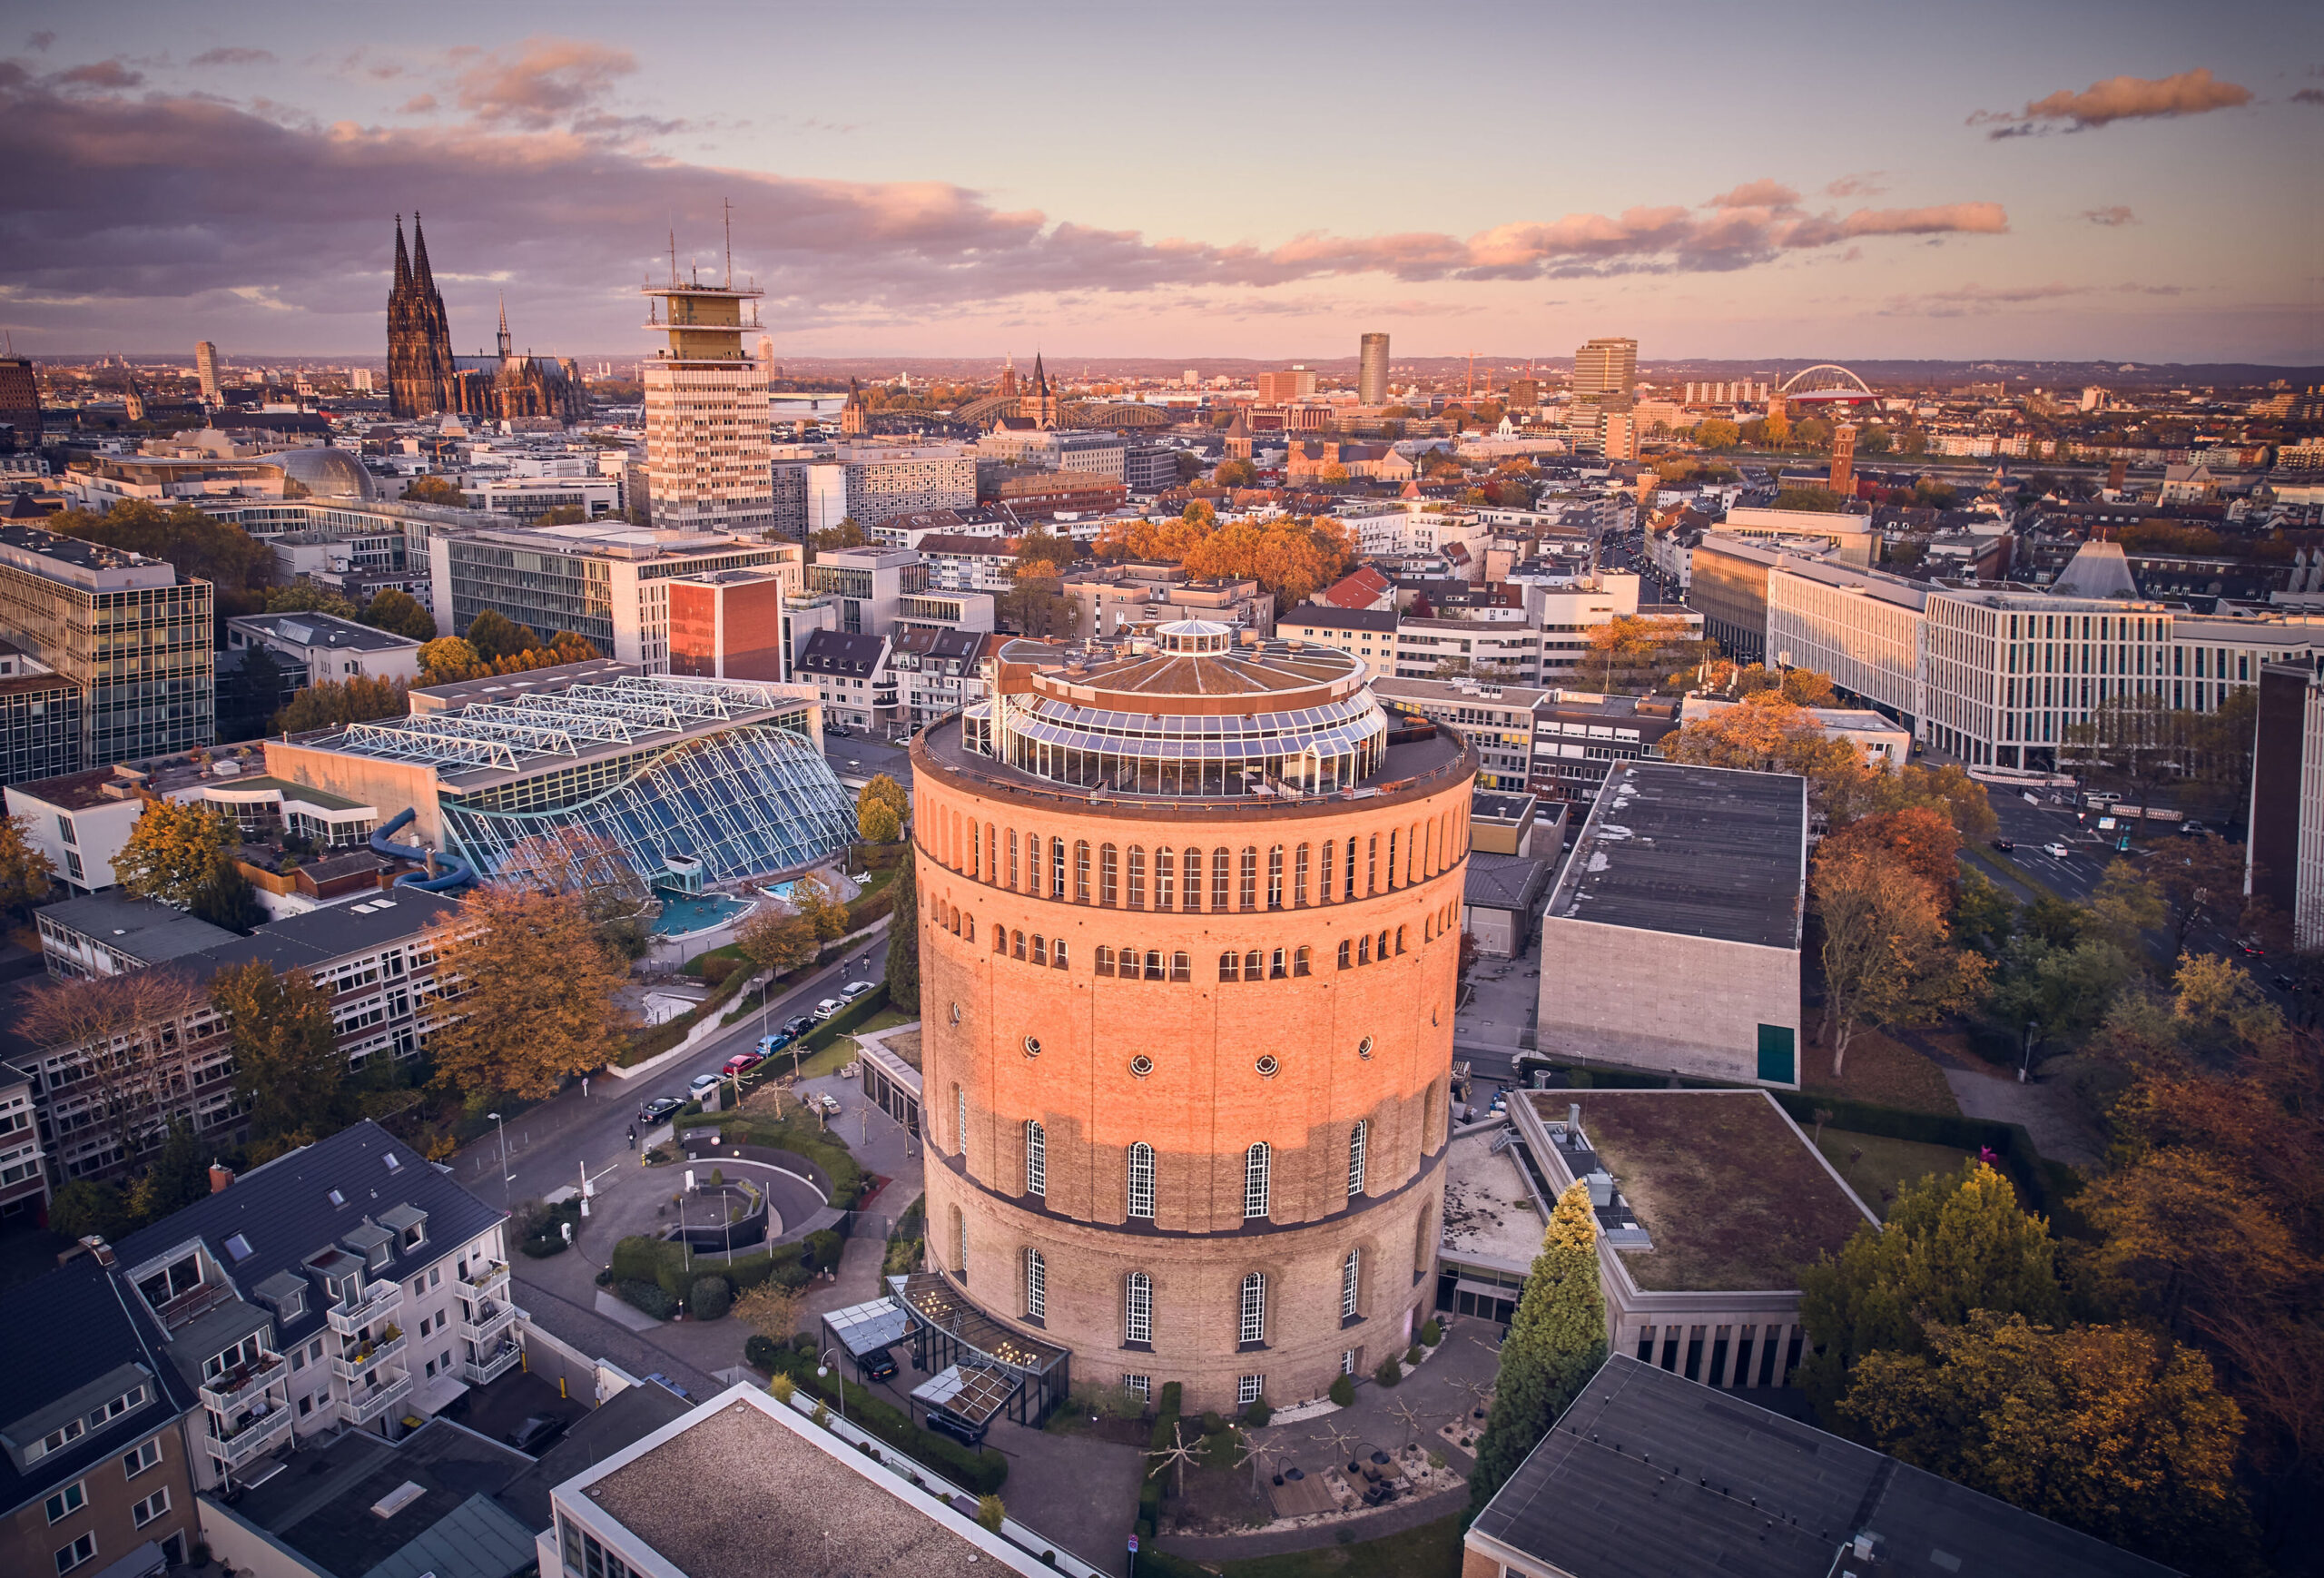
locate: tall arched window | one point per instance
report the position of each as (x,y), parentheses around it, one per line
(1221,875)
(959,1244)
(1137,876)
(1300,962)
(1355,1141)
(1012,857)
(1230,965)
(1250,877)
(1299,875)
(1109,888)
(1275,877)
(1399,939)
(1256,1188)
(1001,939)
(1141,1180)
(1351,1283)
(959,1120)
(1251,1324)
(1323,874)
(1036,1285)
(1037,1158)
(1105,961)
(1081,871)
(1057,954)
(1191,866)
(1138,1308)
(1351,868)
(1182,966)
(1344,960)
(1041,948)
(1056,868)
(1371,865)
(1018,943)
(1162,871)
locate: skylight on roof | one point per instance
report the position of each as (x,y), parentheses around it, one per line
(238,1248)
(395,1163)
(336,1199)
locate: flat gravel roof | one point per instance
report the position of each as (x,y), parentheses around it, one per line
(1698,851)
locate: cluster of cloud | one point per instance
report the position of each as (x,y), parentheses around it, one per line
(541,178)
(2111,218)
(2118,98)
(1973,299)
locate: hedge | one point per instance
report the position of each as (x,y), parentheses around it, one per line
(981,1473)
(2044,1185)
(647,1296)
(708,1298)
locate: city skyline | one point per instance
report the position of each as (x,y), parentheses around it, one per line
(1911,196)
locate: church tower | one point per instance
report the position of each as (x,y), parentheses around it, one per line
(419,335)
(1037,400)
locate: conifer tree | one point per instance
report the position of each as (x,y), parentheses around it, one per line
(904,944)
(1554,1345)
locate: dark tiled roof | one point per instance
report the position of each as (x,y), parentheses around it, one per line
(1504,882)
(284,1212)
(334,931)
(1648,1471)
(837,652)
(1324,617)
(84,1329)
(324,1510)
(151,932)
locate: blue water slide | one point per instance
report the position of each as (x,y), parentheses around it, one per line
(452,871)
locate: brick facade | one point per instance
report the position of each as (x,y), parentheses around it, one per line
(1369,1044)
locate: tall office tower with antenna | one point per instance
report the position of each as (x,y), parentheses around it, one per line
(709,450)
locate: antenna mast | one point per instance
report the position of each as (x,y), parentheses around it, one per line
(673,254)
(730,242)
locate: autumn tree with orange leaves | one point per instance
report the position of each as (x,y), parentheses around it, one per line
(527,992)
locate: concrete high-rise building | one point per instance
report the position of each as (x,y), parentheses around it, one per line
(1187,1047)
(360,379)
(1293,383)
(20,402)
(1606,367)
(1620,435)
(205,368)
(1372,370)
(132,633)
(1844,460)
(709,450)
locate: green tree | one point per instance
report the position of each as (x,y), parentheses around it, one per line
(88,1209)
(1717,433)
(440,490)
(494,635)
(885,793)
(2124,907)
(533,992)
(1952,1244)
(848,533)
(24,872)
(812,897)
(2111,1430)
(303,597)
(336,703)
(175,853)
(1821,499)
(178,1175)
(903,942)
(391,608)
(287,1070)
(776,943)
(229,900)
(876,821)
(1236,473)
(1555,1344)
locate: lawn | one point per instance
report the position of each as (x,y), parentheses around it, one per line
(1880,1069)
(1879,1166)
(1431,1551)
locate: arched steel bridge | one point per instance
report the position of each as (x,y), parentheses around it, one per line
(1825,382)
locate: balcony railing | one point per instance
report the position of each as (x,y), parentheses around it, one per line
(493,1316)
(364,1361)
(492,1366)
(380,1301)
(258,1435)
(230,1394)
(488,1279)
(370,1403)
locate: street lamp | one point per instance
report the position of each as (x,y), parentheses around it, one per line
(2032,1027)
(824,1368)
(505,1176)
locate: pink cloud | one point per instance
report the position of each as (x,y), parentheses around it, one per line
(2110,217)
(2120,98)
(545,82)
(1757,194)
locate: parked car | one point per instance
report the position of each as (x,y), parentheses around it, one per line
(827,1007)
(944,1422)
(880,1367)
(702,1083)
(796,1027)
(770,1045)
(2057,850)
(2192,830)
(658,1109)
(742,1063)
(535,1434)
(835,732)
(854,989)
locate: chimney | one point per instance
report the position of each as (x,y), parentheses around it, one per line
(95,1245)
(220,1177)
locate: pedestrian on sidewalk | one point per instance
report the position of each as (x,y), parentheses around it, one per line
(632,1137)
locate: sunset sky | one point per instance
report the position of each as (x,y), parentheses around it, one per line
(2129,181)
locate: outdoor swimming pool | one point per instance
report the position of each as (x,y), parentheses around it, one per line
(684,913)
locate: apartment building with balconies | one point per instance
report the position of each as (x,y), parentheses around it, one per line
(348,1285)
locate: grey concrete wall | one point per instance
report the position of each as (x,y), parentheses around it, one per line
(1651,1000)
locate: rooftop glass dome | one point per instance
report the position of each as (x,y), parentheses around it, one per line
(326,473)
(1191,713)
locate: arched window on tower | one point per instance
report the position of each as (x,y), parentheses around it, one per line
(1109,888)
(1275,877)
(1251,1312)
(1191,867)
(1141,1180)
(1230,965)
(1257,1188)
(1037,1286)
(1138,1308)
(1351,1283)
(1250,894)
(1037,1158)
(1356,1137)
(1081,871)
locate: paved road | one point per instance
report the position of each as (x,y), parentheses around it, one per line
(857,757)
(549,1143)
